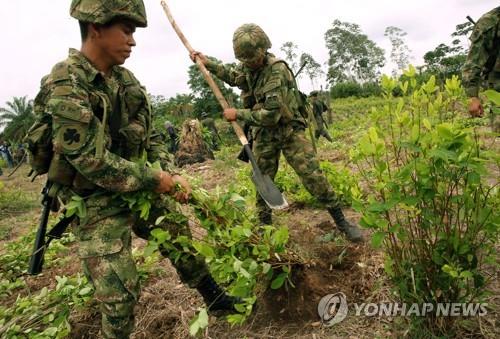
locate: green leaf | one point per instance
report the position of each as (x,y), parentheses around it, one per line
(160,235)
(445,131)
(237,265)
(427,123)
(372,132)
(240,308)
(410,72)
(448,269)
(159,219)
(245,273)
(493,96)
(265,267)
(280,237)
(199,322)
(377,239)
(204,249)
(236,319)
(85,291)
(279,281)
(150,248)
(466,274)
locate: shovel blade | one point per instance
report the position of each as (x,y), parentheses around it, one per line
(268,191)
(264,185)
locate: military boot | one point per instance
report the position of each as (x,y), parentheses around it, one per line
(352,232)
(215,297)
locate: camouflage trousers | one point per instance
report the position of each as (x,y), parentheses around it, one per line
(104,246)
(299,153)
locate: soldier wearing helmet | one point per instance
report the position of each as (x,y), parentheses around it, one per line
(319,108)
(273,106)
(101,123)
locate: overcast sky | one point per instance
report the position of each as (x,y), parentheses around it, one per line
(37,33)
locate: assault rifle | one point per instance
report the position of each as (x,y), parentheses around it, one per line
(470,20)
(300,69)
(42,240)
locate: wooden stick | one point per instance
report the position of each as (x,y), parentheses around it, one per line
(206,74)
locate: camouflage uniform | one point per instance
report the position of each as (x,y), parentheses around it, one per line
(271,106)
(319,108)
(171,137)
(209,124)
(100,125)
(482,67)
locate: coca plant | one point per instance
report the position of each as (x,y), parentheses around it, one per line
(431,201)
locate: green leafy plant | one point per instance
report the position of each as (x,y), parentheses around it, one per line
(429,203)
(45,315)
(240,255)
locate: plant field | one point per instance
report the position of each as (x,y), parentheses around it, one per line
(418,175)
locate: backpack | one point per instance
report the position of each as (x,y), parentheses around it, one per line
(304,106)
(39,144)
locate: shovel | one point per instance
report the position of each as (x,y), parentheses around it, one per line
(264,185)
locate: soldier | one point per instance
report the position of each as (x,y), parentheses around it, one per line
(319,108)
(482,67)
(101,121)
(171,137)
(209,124)
(271,106)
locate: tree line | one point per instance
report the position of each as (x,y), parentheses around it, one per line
(353,68)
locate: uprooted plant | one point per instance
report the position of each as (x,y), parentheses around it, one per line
(242,256)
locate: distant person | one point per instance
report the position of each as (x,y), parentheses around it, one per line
(172,137)
(319,108)
(5,151)
(271,106)
(482,67)
(209,124)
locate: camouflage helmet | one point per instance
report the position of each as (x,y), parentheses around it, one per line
(103,11)
(314,94)
(249,40)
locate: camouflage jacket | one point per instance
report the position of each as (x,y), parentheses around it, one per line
(319,108)
(270,95)
(482,66)
(99,125)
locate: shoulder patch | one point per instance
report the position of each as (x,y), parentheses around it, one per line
(70,137)
(62,90)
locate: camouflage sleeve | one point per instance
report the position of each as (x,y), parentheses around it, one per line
(75,130)
(158,151)
(276,103)
(233,76)
(482,40)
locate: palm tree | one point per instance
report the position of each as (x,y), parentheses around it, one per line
(17,118)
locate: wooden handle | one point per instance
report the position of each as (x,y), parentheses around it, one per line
(206,74)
